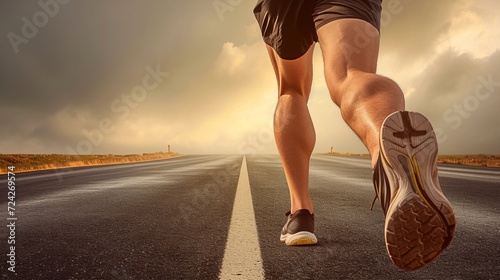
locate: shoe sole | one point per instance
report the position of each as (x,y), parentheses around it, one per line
(420,222)
(299,238)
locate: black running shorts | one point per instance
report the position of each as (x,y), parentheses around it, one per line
(289,26)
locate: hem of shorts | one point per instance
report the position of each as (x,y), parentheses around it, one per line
(325,22)
(280,56)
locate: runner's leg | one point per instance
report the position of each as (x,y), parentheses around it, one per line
(350,50)
(293,127)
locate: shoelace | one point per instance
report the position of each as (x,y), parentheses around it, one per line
(374,199)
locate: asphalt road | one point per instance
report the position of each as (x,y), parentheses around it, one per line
(170,219)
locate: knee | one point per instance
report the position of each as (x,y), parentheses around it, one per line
(294,88)
(358,88)
(291,92)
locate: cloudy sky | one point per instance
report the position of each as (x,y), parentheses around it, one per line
(129,76)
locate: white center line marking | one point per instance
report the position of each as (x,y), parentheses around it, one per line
(242,259)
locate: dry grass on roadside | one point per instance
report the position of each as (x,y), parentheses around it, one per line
(31,162)
(473,159)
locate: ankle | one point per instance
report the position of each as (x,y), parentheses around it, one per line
(374,156)
(295,209)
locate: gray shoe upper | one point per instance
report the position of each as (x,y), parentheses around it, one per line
(301,220)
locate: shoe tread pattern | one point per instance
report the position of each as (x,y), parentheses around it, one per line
(420,222)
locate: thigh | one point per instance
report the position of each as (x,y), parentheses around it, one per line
(348,33)
(349,46)
(293,76)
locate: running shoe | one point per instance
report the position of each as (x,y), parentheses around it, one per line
(419,222)
(299,229)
